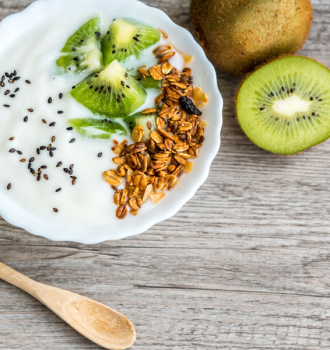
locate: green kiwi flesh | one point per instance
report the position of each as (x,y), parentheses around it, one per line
(97,128)
(148,82)
(284,107)
(82,50)
(111,92)
(240,35)
(148,123)
(127,38)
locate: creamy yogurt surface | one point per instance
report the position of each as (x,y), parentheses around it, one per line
(33,55)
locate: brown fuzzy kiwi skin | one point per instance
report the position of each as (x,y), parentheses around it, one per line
(243,81)
(239,35)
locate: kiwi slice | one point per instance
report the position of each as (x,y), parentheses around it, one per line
(112,92)
(97,128)
(149,82)
(81,51)
(127,37)
(148,123)
(284,107)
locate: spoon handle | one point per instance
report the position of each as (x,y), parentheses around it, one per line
(17,279)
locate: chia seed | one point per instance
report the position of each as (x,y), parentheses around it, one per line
(60,96)
(12,150)
(58,190)
(72,140)
(60,112)
(26,119)
(55,210)
(28,81)
(70,128)
(100,155)
(52,124)
(9,186)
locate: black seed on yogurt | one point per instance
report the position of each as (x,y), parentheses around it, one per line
(72,140)
(19,152)
(26,119)
(17,90)
(43,167)
(59,164)
(58,190)
(30,110)
(55,210)
(51,154)
(7,92)
(31,160)
(66,170)
(60,112)
(29,166)
(7,106)
(32,171)
(70,128)
(38,150)
(12,150)
(100,155)
(9,186)
(43,148)
(60,96)
(52,124)
(50,100)
(28,81)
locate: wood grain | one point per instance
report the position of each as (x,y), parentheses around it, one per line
(244,265)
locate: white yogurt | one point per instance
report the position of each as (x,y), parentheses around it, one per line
(90,201)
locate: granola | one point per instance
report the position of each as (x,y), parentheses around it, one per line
(149,168)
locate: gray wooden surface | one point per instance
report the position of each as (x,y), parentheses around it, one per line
(244,265)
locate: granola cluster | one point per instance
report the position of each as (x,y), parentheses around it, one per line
(149,168)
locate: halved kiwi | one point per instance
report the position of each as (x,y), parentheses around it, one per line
(127,37)
(148,123)
(81,51)
(284,107)
(112,92)
(97,128)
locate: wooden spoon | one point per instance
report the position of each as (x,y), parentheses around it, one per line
(95,321)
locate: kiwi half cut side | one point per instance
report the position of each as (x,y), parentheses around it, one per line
(126,38)
(112,92)
(97,128)
(284,107)
(82,50)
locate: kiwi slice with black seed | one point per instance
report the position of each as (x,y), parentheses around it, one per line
(284,107)
(112,92)
(82,50)
(126,38)
(98,128)
(147,121)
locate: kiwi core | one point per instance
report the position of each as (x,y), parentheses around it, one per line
(125,29)
(291,105)
(113,72)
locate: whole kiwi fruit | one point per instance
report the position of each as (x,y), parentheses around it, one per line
(239,35)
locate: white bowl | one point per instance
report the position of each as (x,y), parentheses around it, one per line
(35,15)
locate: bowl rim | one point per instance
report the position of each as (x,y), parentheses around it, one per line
(49,231)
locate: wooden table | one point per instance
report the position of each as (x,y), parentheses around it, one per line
(244,265)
